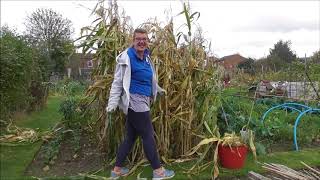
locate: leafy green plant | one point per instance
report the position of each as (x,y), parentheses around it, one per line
(74,113)
(76,136)
(51,148)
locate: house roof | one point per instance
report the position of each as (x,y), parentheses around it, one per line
(232,57)
(231,61)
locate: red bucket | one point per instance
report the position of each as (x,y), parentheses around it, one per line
(232,158)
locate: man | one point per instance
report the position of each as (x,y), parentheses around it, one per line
(133,88)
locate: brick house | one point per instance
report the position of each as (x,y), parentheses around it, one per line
(80,66)
(231,62)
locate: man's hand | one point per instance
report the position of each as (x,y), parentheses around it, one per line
(110,109)
(163,92)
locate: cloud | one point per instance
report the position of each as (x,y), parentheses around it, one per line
(250,28)
(279,24)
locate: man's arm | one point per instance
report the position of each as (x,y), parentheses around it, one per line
(116,88)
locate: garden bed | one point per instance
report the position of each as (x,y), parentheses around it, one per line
(89,159)
(68,162)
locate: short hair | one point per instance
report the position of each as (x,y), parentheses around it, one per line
(139,30)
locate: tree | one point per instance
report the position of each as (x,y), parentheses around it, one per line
(315,58)
(51,33)
(283,51)
(247,66)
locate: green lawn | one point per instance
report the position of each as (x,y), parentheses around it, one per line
(14,159)
(44,119)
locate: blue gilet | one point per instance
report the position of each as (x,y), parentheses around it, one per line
(141,73)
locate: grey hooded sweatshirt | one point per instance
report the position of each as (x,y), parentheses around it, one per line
(119,92)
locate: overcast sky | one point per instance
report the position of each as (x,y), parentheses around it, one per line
(249,28)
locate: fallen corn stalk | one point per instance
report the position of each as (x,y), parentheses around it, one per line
(19,136)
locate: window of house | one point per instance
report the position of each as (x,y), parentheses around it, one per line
(90,64)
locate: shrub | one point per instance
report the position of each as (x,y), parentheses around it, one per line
(75,114)
(19,68)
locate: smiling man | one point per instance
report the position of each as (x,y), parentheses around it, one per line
(134,86)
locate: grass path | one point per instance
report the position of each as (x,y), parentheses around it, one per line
(15,159)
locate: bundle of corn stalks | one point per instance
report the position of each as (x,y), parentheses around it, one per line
(190,107)
(279,171)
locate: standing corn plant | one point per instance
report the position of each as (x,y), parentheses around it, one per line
(190,106)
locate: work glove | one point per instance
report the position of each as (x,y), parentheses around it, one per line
(162,92)
(110,109)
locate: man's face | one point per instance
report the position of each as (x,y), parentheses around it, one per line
(140,42)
